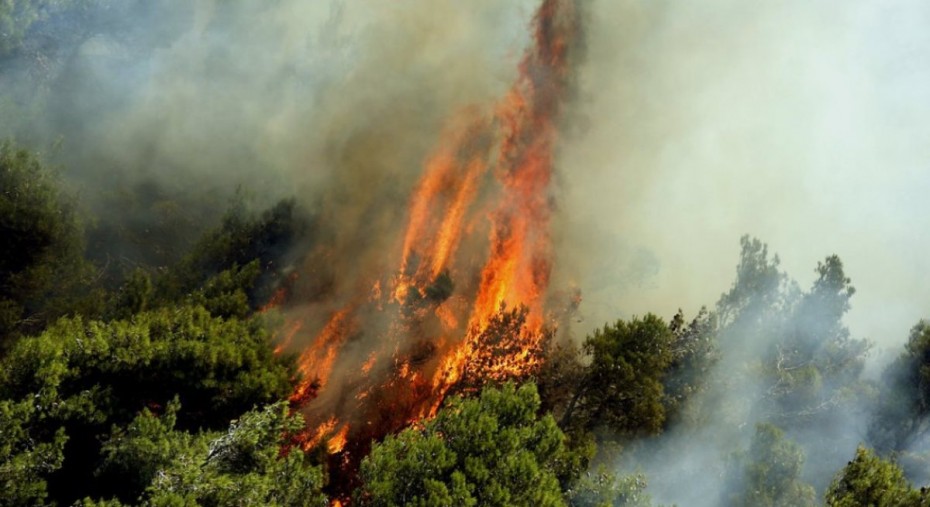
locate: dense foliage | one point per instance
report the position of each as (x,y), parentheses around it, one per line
(871,480)
(80,381)
(155,381)
(42,262)
(494,450)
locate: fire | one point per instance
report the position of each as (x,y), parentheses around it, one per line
(476,243)
(338,441)
(316,363)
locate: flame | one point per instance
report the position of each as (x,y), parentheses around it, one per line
(478,216)
(450,183)
(292,331)
(367,365)
(316,362)
(317,436)
(338,441)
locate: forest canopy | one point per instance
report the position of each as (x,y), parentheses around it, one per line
(207,298)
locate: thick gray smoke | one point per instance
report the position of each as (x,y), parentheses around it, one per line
(802,123)
(188,100)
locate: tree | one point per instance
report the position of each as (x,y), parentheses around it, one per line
(694,355)
(132,455)
(86,376)
(769,475)
(493,450)
(26,456)
(815,364)
(505,351)
(560,377)
(267,239)
(870,480)
(792,351)
(903,411)
(759,290)
(622,390)
(41,262)
(603,488)
(244,466)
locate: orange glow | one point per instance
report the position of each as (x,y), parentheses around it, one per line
(366,366)
(276,299)
(447,316)
(292,330)
(479,215)
(316,362)
(450,230)
(317,436)
(338,441)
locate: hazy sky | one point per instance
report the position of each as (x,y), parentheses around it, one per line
(802,123)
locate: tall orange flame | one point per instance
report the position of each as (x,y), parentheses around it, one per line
(440,318)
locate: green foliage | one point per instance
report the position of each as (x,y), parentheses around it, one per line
(245,466)
(603,488)
(622,389)
(87,377)
(904,406)
(916,362)
(902,414)
(869,480)
(26,456)
(493,450)
(811,365)
(41,262)
(131,456)
(559,378)
(243,238)
(791,354)
(769,475)
(759,290)
(226,294)
(16,17)
(694,354)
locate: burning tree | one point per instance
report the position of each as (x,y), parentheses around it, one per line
(476,243)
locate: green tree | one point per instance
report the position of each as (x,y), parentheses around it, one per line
(760,288)
(603,488)
(244,237)
(769,474)
(904,408)
(868,480)
(41,263)
(901,416)
(493,450)
(131,456)
(791,350)
(694,355)
(622,389)
(87,376)
(245,466)
(26,455)
(815,365)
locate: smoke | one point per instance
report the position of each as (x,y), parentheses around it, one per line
(800,123)
(188,100)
